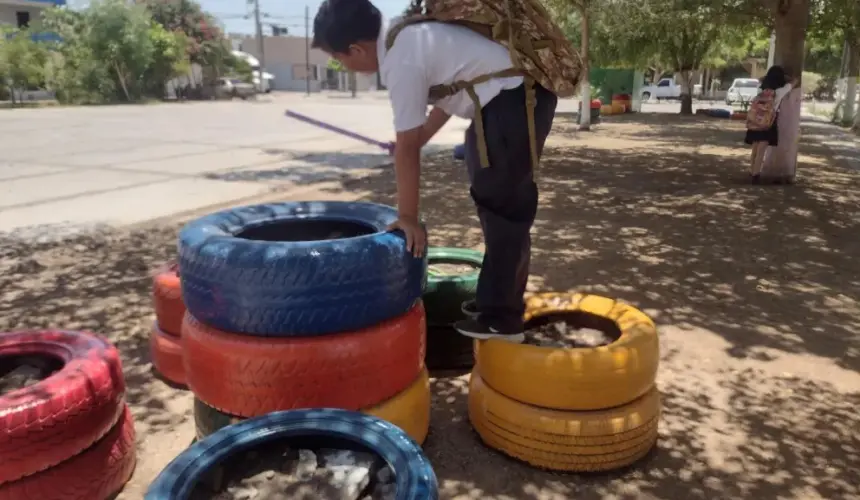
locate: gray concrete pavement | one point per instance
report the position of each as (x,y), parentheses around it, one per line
(63,170)
(68,169)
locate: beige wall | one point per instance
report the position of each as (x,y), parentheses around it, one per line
(285,59)
(283,49)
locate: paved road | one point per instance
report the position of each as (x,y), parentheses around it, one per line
(67,169)
(63,170)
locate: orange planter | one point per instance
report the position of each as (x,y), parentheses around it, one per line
(248,376)
(166,354)
(167,298)
(739,115)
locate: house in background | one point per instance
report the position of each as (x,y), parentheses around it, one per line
(21,13)
(286,60)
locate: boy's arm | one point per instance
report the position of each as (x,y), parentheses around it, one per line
(408,92)
(407,169)
(435,121)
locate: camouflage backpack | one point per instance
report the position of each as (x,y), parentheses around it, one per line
(762,112)
(538,48)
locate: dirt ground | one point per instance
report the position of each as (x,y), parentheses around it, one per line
(755,290)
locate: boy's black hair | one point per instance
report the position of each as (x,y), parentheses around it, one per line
(341,23)
(774,79)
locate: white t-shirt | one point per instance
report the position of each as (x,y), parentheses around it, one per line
(779,94)
(432,53)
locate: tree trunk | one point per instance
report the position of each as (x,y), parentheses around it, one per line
(352,82)
(848,113)
(585,85)
(686,92)
(121,81)
(791,19)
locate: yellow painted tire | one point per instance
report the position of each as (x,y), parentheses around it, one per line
(564,440)
(581,378)
(409,410)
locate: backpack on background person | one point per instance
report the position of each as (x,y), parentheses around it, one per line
(762,111)
(539,51)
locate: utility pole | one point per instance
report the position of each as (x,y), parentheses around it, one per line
(260,44)
(307,50)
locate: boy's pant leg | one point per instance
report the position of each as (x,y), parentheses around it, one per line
(506,197)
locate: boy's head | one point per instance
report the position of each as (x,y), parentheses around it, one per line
(348,30)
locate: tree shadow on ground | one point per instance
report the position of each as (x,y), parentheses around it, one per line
(755,289)
(98,282)
(302,168)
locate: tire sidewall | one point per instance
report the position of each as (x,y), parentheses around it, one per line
(414,475)
(340,285)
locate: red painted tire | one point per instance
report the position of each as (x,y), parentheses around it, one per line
(167,298)
(95,474)
(165,350)
(49,422)
(249,376)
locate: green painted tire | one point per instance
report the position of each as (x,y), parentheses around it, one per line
(445,293)
(447,349)
(207,420)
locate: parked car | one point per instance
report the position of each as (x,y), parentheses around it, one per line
(229,88)
(742,90)
(264,85)
(666,88)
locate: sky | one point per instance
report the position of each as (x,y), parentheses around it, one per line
(287,13)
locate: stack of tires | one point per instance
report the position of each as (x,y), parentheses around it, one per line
(583,409)
(303,305)
(164,340)
(446,292)
(68,434)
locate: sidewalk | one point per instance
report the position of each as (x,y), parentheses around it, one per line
(844,144)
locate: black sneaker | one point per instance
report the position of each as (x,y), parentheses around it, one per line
(470,309)
(472,328)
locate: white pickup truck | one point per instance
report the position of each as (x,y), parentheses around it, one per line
(666,88)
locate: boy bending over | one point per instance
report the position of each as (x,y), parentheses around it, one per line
(428,54)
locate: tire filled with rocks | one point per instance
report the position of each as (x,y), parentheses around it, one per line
(281,471)
(309,454)
(579,395)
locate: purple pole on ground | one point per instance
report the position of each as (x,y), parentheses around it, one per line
(388,146)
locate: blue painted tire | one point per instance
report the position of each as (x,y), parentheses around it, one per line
(414,475)
(460,152)
(297,288)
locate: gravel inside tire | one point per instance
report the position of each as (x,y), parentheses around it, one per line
(414,477)
(280,470)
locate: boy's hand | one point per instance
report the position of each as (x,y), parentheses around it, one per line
(416,235)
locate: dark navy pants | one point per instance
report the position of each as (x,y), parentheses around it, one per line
(506,196)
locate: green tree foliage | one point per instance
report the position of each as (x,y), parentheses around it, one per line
(205,44)
(22,61)
(115,51)
(119,36)
(335,65)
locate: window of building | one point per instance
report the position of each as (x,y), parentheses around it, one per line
(23,18)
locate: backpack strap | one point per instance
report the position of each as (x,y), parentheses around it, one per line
(499,31)
(447,90)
